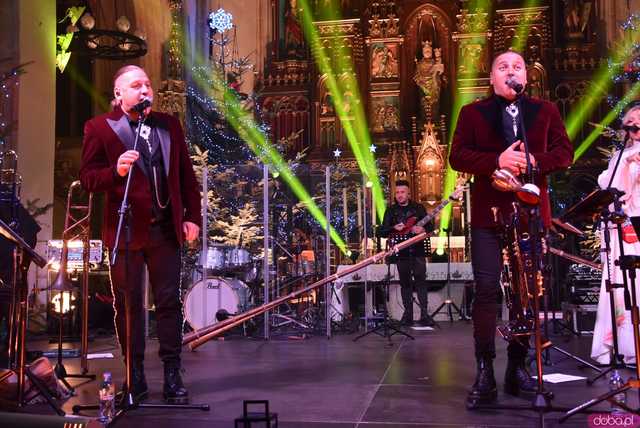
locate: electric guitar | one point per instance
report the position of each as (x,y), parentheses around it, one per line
(397,236)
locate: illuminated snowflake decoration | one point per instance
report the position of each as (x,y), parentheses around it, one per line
(220,20)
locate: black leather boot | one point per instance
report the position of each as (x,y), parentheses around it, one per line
(173,390)
(484,390)
(517,378)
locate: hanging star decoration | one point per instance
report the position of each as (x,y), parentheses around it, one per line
(337,152)
(372,148)
(220,20)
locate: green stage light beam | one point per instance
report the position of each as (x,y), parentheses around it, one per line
(88,88)
(247,129)
(600,85)
(356,129)
(617,109)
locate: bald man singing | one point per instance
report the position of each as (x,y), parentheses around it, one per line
(164,203)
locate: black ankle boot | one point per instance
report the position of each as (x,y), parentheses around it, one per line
(484,389)
(517,379)
(174,391)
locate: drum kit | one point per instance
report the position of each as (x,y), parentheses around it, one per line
(231,281)
(229,275)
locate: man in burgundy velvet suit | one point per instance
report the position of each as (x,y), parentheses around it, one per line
(164,205)
(487,137)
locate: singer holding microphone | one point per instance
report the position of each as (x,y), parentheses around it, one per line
(488,136)
(164,212)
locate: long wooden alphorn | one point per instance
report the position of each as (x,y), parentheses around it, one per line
(199,337)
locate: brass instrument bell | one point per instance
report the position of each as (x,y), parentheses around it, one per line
(505,181)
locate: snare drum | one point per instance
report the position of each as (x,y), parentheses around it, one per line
(206,297)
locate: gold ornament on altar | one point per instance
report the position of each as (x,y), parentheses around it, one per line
(430,165)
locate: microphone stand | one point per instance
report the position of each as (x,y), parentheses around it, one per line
(128,402)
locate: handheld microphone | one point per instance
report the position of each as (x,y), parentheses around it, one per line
(141,106)
(514,84)
(631,128)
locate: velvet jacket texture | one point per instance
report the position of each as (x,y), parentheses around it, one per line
(479,139)
(109,135)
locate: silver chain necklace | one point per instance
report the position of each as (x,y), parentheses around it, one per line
(145,133)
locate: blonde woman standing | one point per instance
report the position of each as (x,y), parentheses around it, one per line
(627,179)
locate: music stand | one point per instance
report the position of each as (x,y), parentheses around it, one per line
(18,322)
(448,304)
(385,326)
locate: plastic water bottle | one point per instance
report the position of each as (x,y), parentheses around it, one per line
(615,382)
(107,396)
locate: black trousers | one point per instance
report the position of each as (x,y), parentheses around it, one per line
(162,257)
(413,273)
(486,260)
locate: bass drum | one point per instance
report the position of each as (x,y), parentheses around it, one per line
(214,296)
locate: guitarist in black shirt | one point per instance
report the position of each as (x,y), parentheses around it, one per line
(399,224)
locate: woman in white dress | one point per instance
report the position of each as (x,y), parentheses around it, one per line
(627,179)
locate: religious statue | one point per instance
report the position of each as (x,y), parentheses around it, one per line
(576,18)
(430,78)
(293,35)
(383,63)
